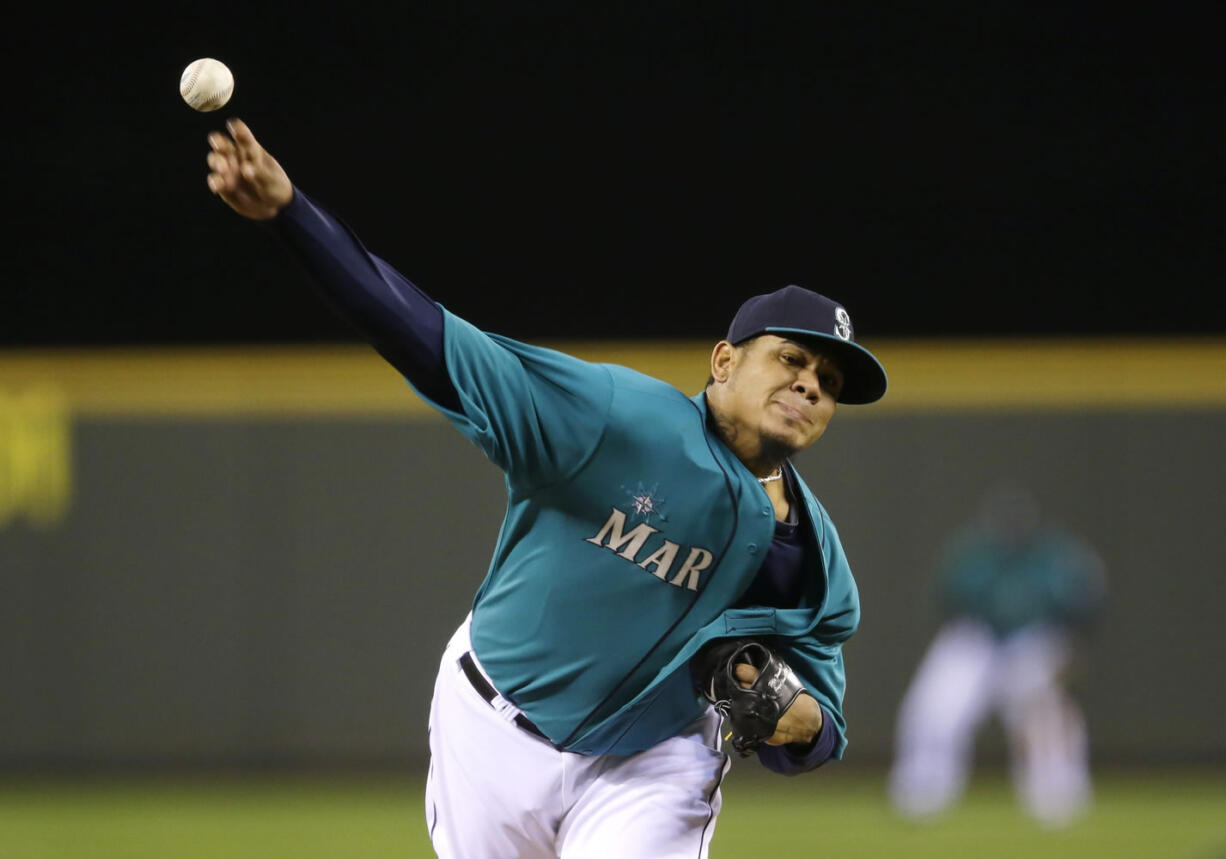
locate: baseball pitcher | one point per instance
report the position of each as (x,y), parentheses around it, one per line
(664,580)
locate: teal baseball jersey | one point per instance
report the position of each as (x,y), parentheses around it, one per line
(630,530)
(1048,578)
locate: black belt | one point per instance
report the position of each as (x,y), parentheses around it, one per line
(486,691)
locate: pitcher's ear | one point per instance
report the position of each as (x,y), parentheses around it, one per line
(724,358)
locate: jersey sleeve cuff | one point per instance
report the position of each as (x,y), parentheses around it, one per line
(795,759)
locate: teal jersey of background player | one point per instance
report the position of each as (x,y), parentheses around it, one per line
(1043,578)
(630,531)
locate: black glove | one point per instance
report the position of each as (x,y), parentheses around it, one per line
(751,714)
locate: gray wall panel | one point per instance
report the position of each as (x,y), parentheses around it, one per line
(263,591)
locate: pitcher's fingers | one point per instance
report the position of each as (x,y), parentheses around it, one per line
(244,140)
(218,142)
(746,674)
(223,172)
(220,163)
(221,183)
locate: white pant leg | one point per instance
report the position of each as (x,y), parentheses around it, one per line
(493,790)
(944,705)
(497,792)
(659,803)
(1048,743)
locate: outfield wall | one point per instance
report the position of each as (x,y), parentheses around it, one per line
(256,556)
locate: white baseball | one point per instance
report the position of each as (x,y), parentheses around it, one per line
(206,84)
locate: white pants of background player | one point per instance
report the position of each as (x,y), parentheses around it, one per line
(966,676)
(496,791)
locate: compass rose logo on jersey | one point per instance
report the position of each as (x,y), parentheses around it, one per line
(645,502)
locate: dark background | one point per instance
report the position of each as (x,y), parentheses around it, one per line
(628,170)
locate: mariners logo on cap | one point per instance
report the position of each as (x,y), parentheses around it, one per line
(842,324)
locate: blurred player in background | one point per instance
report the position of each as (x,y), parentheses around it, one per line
(1017,597)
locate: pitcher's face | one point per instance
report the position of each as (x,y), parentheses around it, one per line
(780,390)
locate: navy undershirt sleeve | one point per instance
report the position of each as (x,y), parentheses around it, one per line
(389,311)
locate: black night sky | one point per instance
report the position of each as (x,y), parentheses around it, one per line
(629,170)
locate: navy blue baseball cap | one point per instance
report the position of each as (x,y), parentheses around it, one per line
(803,314)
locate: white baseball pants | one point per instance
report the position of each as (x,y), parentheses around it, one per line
(966,676)
(496,791)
